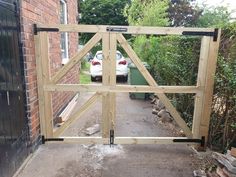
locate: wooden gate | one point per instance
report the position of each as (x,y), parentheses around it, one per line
(110,35)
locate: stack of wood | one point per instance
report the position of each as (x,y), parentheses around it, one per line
(160,110)
(226,166)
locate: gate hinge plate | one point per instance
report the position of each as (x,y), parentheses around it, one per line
(200,141)
(203,33)
(36,29)
(44,140)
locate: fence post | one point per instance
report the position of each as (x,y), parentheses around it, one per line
(113,48)
(105,82)
(206,74)
(43,77)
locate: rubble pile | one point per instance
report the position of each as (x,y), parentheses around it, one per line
(160,110)
(226,164)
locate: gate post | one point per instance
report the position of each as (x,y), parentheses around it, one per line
(199,98)
(108,79)
(113,48)
(43,77)
(105,82)
(206,73)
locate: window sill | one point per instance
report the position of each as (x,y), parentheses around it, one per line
(65,61)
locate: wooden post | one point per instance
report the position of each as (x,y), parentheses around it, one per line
(40,84)
(206,75)
(43,77)
(108,79)
(199,98)
(105,82)
(113,47)
(209,85)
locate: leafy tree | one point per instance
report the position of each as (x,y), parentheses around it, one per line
(134,12)
(147,13)
(103,12)
(182,13)
(214,17)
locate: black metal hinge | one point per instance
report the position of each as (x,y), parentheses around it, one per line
(117,29)
(44,140)
(36,29)
(200,141)
(203,33)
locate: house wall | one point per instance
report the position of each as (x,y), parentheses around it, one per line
(45,12)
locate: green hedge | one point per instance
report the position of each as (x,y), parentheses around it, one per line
(222,133)
(174,61)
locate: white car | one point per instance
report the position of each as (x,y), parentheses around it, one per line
(96,66)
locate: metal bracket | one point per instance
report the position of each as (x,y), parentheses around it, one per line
(51,139)
(117,29)
(112,137)
(36,29)
(43,139)
(201,141)
(203,33)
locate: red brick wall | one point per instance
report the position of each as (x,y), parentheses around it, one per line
(45,12)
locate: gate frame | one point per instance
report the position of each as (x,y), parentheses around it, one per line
(110,35)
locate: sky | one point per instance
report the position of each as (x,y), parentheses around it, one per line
(231,4)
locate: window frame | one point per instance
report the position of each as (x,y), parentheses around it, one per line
(66,42)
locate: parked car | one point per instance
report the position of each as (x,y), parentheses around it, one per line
(96,66)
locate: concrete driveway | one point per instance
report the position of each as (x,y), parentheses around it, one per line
(134,118)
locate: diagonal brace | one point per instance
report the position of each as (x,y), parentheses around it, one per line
(65,69)
(133,56)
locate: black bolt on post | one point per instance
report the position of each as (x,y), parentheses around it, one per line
(111,137)
(43,139)
(203,141)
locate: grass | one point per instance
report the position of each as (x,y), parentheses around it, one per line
(85,65)
(84,76)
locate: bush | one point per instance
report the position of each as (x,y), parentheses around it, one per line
(222,133)
(174,61)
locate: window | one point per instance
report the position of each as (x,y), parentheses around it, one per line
(64,36)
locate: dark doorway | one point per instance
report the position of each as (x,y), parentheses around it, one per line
(13,123)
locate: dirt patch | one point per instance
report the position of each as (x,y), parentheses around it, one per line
(90,163)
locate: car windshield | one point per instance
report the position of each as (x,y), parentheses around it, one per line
(99,56)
